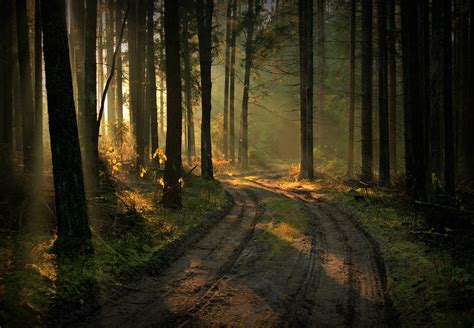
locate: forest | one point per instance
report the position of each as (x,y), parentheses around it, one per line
(236,163)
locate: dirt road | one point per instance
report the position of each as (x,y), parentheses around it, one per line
(240,275)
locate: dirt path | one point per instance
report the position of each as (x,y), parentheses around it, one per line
(328,276)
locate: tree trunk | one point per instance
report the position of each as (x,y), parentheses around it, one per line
(225,135)
(118,76)
(436,91)
(392,91)
(151,107)
(71,211)
(413,102)
(366,90)
(172,177)
(38,91)
(100,69)
(6,90)
(232,84)
(243,141)
(162,78)
(350,155)
(111,117)
(384,152)
(204,12)
(26,85)
(309,87)
(90,136)
(449,155)
(303,78)
(186,55)
(321,12)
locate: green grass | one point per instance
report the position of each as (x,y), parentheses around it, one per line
(33,281)
(431,284)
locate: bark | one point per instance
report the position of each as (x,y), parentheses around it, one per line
(38,91)
(118,76)
(243,141)
(162,78)
(71,211)
(186,55)
(392,91)
(309,87)
(204,12)
(303,77)
(100,68)
(436,91)
(225,136)
(151,107)
(321,12)
(413,102)
(232,84)
(350,155)
(26,85)
(449,155)
(366,90)
(172,186)
(384,154)
(90,135)
(6,89)
(111,117)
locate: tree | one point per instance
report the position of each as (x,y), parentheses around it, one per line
(250,19)
(38,91)
(118,76)
(6,87)
(413,106)
(205,10)
(366,90)
(436,91)
(321,44)
(26,85)
(384,153)
(306,88)
(151,107)
(449,157)
(350,155)
(392,91)
(90,136)
(111,117)
(172,177)
(228,33)
(233,38)
(71,211)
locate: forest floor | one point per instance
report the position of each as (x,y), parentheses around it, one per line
(262,249)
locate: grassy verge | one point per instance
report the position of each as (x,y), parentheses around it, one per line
(129,229)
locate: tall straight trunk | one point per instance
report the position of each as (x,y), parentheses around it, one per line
(350,155)
(233,39)
(17,103)
(392,90)
(366,90)
(413,101)
(38,91)
(111,117)
(424,48)
(225,136)
(77,44)
(151,107)
(26,85)
(205,10)
(6,90)
(71,211)
(100,68)
(384,153)
(144,116)
(172,185)
(469,120)
(162,78)
(118,65)
(449,154)
(90,136)
(303,78)
(436,91)
(186,55)
(309,87)
(321,11)
(243,141)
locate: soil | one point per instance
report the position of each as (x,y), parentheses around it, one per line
(332,276)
